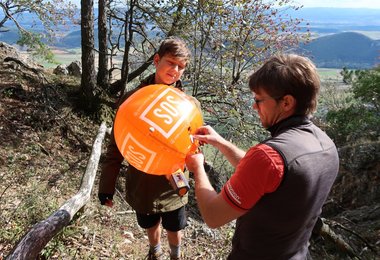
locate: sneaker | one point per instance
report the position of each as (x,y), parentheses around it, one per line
(154,256)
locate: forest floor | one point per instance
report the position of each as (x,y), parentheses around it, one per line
(45,145)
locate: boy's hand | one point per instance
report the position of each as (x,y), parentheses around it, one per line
(106,199)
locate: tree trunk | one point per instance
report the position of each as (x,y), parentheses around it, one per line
(88,82)
(103,79)
(128,37)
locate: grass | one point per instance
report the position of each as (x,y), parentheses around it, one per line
(62,56)
(329,73)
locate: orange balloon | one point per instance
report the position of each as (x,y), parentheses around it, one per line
(153,129)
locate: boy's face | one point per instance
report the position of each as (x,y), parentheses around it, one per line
(169,69)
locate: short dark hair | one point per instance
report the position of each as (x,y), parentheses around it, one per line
(176,47)
(289,74)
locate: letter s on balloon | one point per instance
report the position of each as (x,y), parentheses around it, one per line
(135,157)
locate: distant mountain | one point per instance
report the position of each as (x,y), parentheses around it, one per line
(73,40)
(336,46)
(11,36)
(349,49)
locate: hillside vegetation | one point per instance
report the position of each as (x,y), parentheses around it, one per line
(348,49)
(45,144)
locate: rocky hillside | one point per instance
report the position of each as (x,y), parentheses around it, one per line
(46,142)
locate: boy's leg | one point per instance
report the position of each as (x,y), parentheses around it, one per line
(154,234)
(151,223)
(174,238)
(174,222)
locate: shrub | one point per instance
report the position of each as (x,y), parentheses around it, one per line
(353,124)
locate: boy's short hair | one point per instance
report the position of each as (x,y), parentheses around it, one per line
(174,46)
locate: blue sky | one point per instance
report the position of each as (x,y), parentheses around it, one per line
(321,3)
(340,3)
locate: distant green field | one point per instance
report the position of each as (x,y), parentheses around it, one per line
(63,57)
(329,74)
(70,55)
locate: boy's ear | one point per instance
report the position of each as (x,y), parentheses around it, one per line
(156,59)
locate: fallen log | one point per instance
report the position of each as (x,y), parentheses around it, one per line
(32,243)
(323,229)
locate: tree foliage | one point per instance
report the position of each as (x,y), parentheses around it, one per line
(230,39)
(360,120)
(352,125)
(227,39)
(50,13)
(367,87)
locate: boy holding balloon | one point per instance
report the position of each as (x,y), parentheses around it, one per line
(151,196)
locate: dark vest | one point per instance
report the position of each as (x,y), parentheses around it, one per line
(279,226)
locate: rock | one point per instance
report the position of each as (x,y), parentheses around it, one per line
(75,68)
(7,51)
(61,70)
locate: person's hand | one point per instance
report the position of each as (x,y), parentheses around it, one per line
(207,135)
(194,162)
(106,199)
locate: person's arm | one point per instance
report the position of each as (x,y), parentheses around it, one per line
(206,134)
(112,162)
(109,171)
(214,209)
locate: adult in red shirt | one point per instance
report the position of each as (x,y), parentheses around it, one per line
(279,186)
